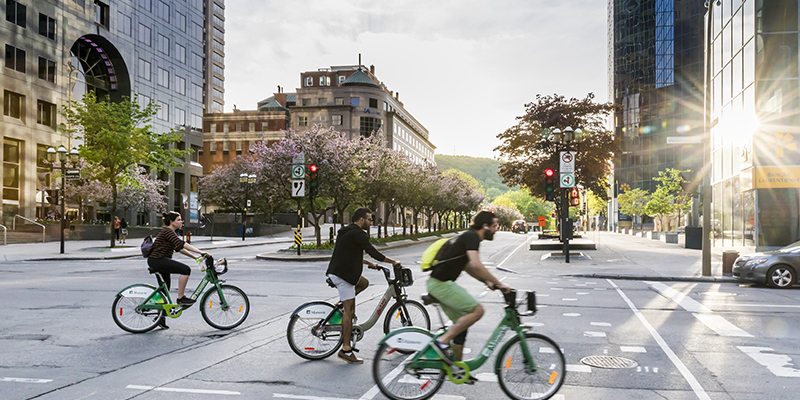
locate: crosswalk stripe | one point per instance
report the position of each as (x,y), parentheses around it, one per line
(721,325)
(775,363)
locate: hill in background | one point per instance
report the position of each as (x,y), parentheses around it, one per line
(484,170)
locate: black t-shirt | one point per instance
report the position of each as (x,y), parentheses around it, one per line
(454,254)
(347,261)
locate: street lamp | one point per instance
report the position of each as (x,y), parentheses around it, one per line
(247,181)
(63,156)
(706,188)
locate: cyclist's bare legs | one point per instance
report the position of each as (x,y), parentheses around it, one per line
(458,352)
(348,311)
(362,284)
(460,326)
(182,281)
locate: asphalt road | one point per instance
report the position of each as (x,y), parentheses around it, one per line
(689,340)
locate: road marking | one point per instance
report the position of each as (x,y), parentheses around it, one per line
(600,324)
(556,288)
(599,288)
(537,324)
(580,284)
(391,375)
(509,256)
(752,305)
(542,295)
(721,325)
(569,299)
(447,397)
(594,334)
(591,283)
(483,293)
(573,314)
(486,377)
(582,293)
(198,391)
(25,380)
(684,301)
(695,385)
(579,368)
(546,350)
(778,364)
(632,349)
(292,396)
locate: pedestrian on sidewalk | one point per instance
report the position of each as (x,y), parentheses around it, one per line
(116,228)
(123,229)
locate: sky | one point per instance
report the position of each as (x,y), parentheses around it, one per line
(463,68)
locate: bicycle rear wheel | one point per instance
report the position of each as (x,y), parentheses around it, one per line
(221,317)
(514,376)
(396,318)
(124,312)
(395,380)
(307,335)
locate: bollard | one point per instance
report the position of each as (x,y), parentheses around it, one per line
(189,237)
(728,258)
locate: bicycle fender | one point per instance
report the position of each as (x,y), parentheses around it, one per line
(414,335)
(137,284)
(309,304)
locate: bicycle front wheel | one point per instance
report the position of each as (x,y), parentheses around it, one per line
(308,336)
(225,317)
(414,314)
(127,317)
(398,382)
(516,378)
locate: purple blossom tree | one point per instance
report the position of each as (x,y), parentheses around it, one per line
(140,192)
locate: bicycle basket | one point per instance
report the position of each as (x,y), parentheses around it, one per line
(404,276)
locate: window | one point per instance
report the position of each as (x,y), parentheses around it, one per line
(180,116)
(47,26)
(197,151)
(15,58)
(13,104)
(218,94)
(238,147)
(218,34)
(309,81)
(218,58)
(302,121)
(339,101)
(144,100)
(163,111)
(102,16)
(322,101)
(212,147)
(144,69)
(306,102)
(47,70)
(224,147)
(218,9)
(144,34)
(251,127)
(324,81)
(163,44)
(238,127)
(342,78)
(11,153)
(218,46)
(197,31)
(163,11)
(180,21)
(217,81)
(373,103)
(225,128)
(218,70)
(180,53)
(146,5)
(180,85)
(197,92)
(218,21)
(216,107)
(15,13)
(46,113)
(385,106)
(369,125)
(354,101)
(198,61)
(213,128)
(336,119)
(163,77)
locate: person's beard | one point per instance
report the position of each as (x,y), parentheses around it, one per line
(488,235)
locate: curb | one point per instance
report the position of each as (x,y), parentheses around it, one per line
(724,279)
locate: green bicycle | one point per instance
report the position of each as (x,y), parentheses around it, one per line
(139,307)
(529,365)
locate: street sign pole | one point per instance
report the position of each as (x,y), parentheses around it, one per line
(565,225)
(298,236)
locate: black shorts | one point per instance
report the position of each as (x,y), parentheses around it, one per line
(167,266)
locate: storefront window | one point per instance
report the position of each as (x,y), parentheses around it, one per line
(748,200)
(778,213)
(716,220)
(727,214)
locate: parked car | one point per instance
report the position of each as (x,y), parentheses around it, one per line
(519,226)
(776,269)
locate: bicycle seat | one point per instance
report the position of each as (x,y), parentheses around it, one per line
(428,299)
(330,283)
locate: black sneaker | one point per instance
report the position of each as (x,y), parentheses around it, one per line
(443,351)
(471,380)
(185,301)
(162,323)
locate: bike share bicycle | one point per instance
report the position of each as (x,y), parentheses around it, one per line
(528,366)
(315,328)
(138,307)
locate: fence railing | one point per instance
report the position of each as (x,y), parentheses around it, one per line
(14,225)
(4,234)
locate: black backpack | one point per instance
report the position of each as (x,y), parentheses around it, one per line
(147,246)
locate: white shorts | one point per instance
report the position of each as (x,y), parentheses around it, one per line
(346,290)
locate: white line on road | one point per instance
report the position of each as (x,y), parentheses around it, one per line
(486,377)
(594,334)
(751,305)
(25,380)
(572,314)
(687,303)
(721,325)
(632,349)
(483,293)
(569,299)
(698,389)
(778,364)
(198,391)
(292,396)
(600,324)
(579,368)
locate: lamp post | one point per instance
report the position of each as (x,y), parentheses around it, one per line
(247,181)
(563,140)
(63,156)
(706,190)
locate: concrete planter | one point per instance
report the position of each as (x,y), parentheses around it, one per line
(669,237)
(654,235)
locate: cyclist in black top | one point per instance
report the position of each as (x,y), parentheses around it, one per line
(345,268)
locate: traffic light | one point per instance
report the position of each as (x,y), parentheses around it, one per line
(549,184)
(575,199)
(52,197)
(313,184)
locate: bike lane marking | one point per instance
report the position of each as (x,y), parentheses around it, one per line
(25,380)
(716,323)
(778,364)
(693,382)
(300,397)
(196,391)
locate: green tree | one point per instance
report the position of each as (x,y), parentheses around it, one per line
(660,204)
(672,181)
(633,202)
(117,136)
(595,205)
(530,207)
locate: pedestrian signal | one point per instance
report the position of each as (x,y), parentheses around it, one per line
(574,198)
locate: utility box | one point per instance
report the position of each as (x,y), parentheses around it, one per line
(728,258)
(566,230)
(693,237)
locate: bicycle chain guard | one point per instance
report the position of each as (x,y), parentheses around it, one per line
(456,376)
(173,310)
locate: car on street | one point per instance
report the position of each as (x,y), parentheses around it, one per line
(776,269)
(519,226)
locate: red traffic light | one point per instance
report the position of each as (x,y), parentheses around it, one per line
(312,168)
(574,193)
(548,172)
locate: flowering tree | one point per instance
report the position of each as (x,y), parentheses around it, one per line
(83,190)
(223,188)
(140,192)
(506,215)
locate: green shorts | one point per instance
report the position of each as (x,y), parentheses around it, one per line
(454,299)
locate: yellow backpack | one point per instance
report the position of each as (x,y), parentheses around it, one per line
(429,256)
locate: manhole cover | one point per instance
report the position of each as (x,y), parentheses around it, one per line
(608,362)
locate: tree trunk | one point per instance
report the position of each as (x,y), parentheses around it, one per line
(113,210)
(403,210)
